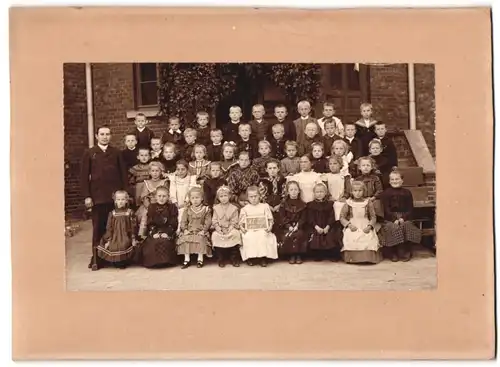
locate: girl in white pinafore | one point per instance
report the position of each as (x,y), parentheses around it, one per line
(180,184)
(306,179)
(256,221)
(360,241)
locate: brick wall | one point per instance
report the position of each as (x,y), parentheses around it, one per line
(75,134)
(426,103)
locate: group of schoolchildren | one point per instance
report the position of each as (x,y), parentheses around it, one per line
(304,189)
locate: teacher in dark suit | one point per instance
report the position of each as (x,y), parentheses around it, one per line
(103,172)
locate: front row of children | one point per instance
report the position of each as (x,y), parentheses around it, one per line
(313,217)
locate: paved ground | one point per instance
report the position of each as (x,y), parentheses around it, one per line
(419,273)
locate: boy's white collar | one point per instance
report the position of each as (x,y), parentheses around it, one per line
(141,129)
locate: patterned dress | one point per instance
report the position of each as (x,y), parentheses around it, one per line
(225,219)
(293,241)
(193,222)
(116,244)
(259,164)
(373,189)
(161,222)
(137,175)
(239,179)
(256,241)
(200,169)
(398,204)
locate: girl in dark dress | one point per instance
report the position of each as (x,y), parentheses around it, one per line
(169,159)
(159,246)
(318,161)
(367,175)
(213,183)
(398,230)
(291,230)
(383,168)
(324,241)
(274,185)
(241,177)
(117,245)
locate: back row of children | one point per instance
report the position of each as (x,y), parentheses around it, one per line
(296,169)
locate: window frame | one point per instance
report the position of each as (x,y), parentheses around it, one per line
(138,102)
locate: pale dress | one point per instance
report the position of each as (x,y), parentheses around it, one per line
(257,242)
(306,181)
(194,237)
(359,240)
(336,184)
(225,217)
(179,188)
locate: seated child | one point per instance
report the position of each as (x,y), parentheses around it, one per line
(241,177)
(199,166)
(142,133)
(330,135)
(246,142)
(259,163)
(202,128)
(159,248)
(338,184)
(306,179)
(194,237)
(318,161)
(280,111)
(328,116)
(311,135)
(291,164)
(214,149)
(365,127)
(226,238)
(388,148)
(352,141)
(373,185)
(277,141)
(360,241)
(259,126)
(169,158)
(325,239)
(398,230)
(382,165)
(129,154)
(291,230)
(180,184)
(147,194)
(173,134)
(118,243)
(228,157)
(212,184)
(156,149)
(256,221)
(138,174)
(190,142)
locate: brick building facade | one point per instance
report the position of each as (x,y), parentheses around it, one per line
(115,97)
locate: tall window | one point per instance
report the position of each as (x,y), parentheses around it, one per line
(344,77)
(146,84)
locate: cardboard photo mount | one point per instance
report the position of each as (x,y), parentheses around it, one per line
(454,321)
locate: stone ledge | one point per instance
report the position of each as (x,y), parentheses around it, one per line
(420,151)
(147,111)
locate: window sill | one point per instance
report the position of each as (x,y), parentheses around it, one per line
(151,111)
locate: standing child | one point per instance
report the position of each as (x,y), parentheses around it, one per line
(328,116)
(291,225)
(142,133)
(228,154)
(256,221)
(190,142)
(147,195)
(381,163)
(338,184)
(174,133)
(319,163)
(202,128)
(241,177)
(365,127)
(291,164)
(307,179)
(373,185)
(226,238)
(180,184)
(169,158)
(280,111)
(311,135)
(230,130)
(213,183)
(304,108)
(259,163)
(161,222)
(360,241)
(199,166)
(214,149)
(352,141)
(194,237)
(330,135)
(341,149)
(246,142)
(321,221)
(260,127)
(156,149)
(129,154)
(118,243)
(138,174)
(277,141)
(398,230)
(388,148)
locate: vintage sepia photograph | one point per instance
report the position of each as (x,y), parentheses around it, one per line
(249,176)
